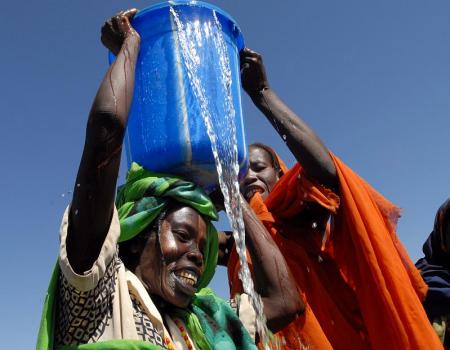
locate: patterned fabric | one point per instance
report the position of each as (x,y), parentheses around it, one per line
(82,317)
(144,326)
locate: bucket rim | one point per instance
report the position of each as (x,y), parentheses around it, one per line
(198,3)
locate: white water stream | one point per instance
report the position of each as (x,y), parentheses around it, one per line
(221,131)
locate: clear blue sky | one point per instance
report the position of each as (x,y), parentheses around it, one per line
(371,78)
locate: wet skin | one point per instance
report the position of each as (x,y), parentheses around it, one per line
(171,267)
(261,175)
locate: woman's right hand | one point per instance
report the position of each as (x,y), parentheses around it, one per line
(253,73)
(116,29)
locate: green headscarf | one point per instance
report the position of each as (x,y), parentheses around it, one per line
(211,322)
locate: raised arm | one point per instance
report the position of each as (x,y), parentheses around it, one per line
(93,199)
(304,144)
(271,275)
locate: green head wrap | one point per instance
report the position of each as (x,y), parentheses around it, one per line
(144,197)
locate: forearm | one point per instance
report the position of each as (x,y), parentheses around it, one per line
(304,144)
(272,277)
(93,200)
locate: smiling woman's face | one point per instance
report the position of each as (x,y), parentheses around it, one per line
(261,175)
(172,267)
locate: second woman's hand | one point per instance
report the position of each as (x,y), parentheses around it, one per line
(253,73)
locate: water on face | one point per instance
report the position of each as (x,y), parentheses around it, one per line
(221,131)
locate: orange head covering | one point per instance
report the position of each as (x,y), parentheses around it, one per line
(277,162)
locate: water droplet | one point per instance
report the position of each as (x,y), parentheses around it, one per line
(284,137)
(76,212)
(78,185)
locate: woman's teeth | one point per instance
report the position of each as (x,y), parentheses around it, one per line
(252,190)
(187,277)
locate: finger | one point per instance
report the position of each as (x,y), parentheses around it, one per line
(121,24)
(244,67)
(130,13)
(107,30)
(116,23)
(249,52)
(107,25)
(251,60)
(243,53)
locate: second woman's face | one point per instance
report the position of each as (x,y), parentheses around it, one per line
(172,267)
(261,175)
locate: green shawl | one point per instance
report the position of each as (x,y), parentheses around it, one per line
(212,324)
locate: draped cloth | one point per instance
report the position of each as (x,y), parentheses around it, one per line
(435,266)
(210,321)
(361,289)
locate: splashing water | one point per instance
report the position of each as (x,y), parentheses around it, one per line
(220,126)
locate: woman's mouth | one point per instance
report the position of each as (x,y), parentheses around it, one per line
(187,280)
(187,277)
(251,190)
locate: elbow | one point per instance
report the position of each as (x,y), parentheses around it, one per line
(327,175)
(330,177)
(294,309)
(105,129)
(286,310)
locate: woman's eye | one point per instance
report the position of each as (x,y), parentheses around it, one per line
(182,235)
(259,167)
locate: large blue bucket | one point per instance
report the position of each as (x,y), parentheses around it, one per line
(165,131)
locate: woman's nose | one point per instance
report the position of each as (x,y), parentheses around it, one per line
(249,178)
(196,257)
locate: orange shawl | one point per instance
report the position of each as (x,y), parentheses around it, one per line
(361,289)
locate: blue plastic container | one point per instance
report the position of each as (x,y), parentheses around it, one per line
(165,131)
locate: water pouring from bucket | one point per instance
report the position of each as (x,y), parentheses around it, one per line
(165,131)
(186,115)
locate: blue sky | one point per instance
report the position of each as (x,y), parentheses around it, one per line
(371,78)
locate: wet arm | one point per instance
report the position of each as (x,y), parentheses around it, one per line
(304,144)
(271,275)
(93,200)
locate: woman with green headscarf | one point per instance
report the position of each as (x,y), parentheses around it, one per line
(133,275)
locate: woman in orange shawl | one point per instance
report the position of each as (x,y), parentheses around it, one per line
(337,234)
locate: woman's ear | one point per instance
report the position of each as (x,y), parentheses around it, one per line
(279,173)
(136,247)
